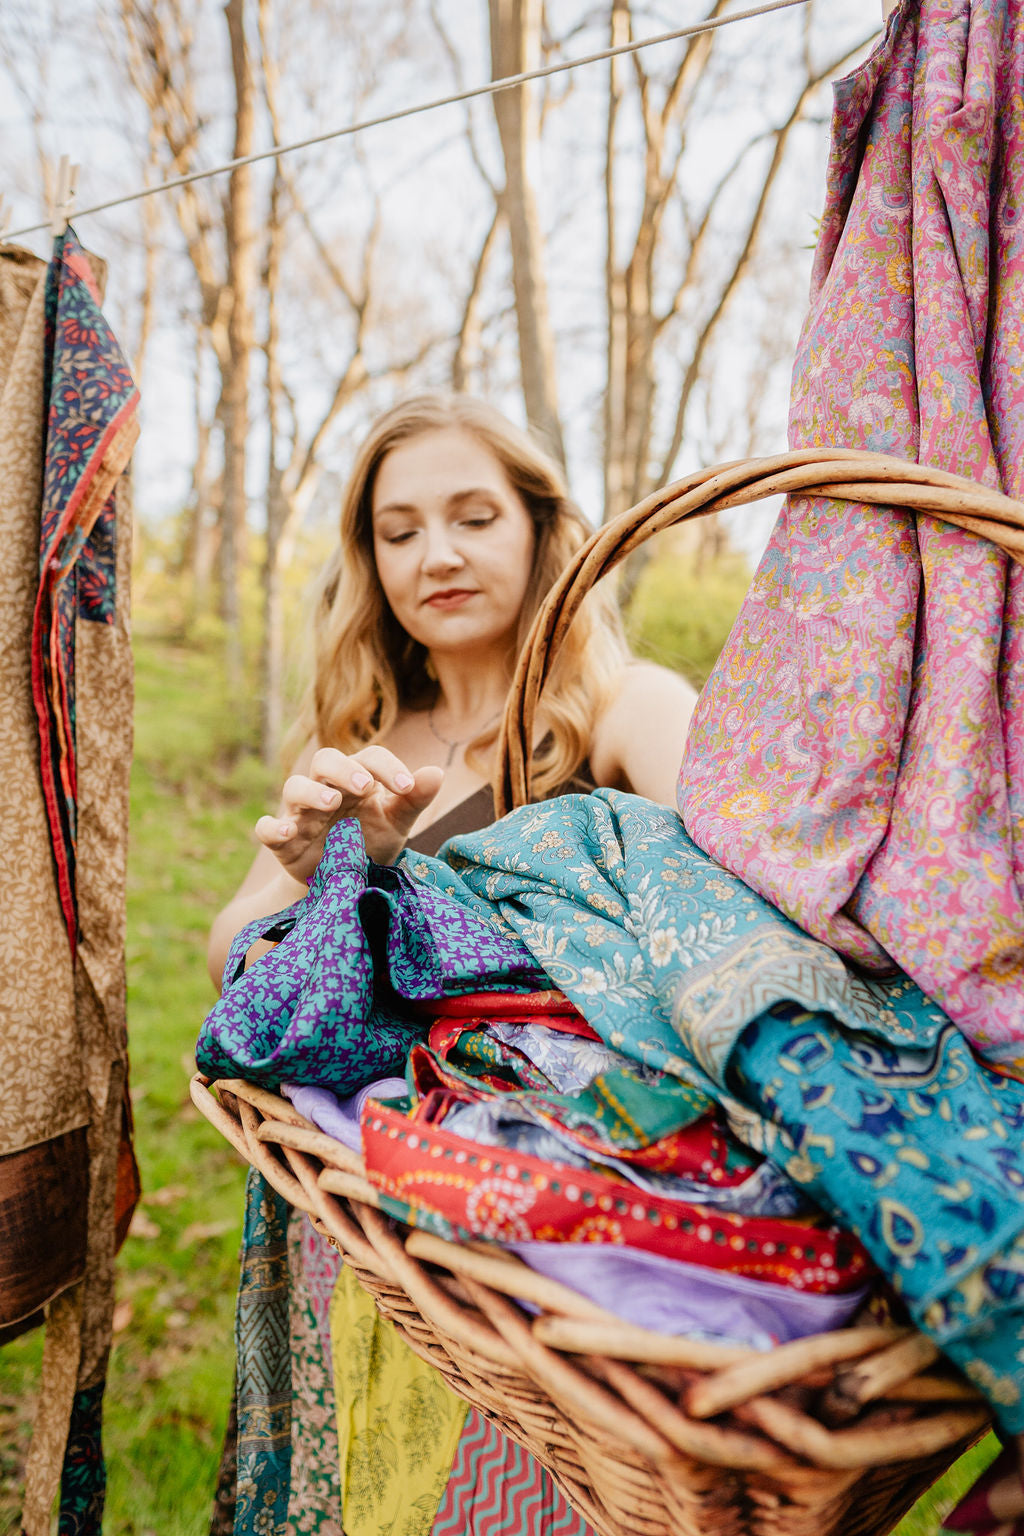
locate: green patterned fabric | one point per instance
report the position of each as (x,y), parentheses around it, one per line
(262,1341)
(314,1501)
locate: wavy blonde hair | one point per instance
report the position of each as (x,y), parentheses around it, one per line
(367,668)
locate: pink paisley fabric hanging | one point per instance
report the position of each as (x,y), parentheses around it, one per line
(858,754)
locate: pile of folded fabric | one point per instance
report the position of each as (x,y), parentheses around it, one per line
(520,1126)
(623,1064)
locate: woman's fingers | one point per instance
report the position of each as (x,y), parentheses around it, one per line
(404,809)
(387,769)
(275,831)
(426,784)
(301,795)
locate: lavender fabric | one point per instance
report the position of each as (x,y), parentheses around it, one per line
(673,1297)
(340,1117)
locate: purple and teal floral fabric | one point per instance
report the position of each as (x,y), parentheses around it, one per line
(329,1004)
(857,756)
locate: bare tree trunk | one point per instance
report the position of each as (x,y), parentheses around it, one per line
(199,545)
(515,47)
(615,499)
(271,668)
(467,345)
(235,397)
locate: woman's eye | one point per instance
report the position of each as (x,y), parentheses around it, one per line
(483,521)
(399,538)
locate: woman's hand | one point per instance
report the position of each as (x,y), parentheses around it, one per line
(372,785)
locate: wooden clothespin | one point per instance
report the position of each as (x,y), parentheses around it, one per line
(63,196)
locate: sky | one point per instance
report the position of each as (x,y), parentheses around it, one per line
(60,92)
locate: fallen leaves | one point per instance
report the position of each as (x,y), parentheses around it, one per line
(201,1232)
(123,1314)
(143,1225)
(168,1194)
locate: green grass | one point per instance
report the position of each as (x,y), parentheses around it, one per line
(196,789)
(680,616)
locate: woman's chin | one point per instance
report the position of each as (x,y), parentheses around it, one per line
(459,631)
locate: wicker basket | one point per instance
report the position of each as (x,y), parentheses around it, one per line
(650,1435)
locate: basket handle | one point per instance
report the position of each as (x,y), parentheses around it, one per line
(842,474)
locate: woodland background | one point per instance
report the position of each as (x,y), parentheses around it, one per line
(618,256)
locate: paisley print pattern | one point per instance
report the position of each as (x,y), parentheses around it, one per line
(264,1373)
(453,1187)
(314,1489)
(894,1124)
(858,753)
(674,963)
(920,1153)
(90,432)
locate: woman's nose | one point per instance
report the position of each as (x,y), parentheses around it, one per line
(441,553)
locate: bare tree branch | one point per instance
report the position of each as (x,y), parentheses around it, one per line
(740,264)
(468,338)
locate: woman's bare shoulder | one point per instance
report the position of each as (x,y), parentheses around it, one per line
(640,735)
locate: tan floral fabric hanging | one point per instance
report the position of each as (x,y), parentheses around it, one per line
(64,591)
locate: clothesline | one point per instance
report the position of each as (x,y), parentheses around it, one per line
(489,88)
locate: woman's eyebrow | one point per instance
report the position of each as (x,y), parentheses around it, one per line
(393,506)
(456,499)
(474,493)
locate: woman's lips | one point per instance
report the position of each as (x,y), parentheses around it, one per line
(453,597)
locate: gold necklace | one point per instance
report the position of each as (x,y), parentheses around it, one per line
(453,746)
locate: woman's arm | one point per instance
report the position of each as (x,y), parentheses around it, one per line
(266,888)
(640,737)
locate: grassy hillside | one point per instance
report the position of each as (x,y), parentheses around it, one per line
(195,793)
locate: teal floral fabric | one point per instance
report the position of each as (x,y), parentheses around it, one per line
(859,1088)
(667,956)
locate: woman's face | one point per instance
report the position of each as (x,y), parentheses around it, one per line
(452,541)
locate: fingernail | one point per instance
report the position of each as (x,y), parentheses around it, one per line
(327,796)
(404,781)
(287,830)
(361,781)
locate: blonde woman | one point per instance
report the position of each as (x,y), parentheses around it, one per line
(454,525)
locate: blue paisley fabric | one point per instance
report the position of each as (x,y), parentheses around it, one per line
(923,1152)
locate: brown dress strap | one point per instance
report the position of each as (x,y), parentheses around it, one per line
(477,810)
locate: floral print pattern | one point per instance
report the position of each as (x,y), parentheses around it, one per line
(872,1107)
(329,1004)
